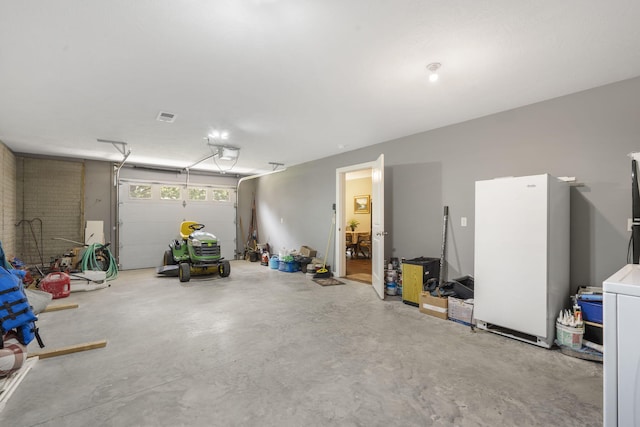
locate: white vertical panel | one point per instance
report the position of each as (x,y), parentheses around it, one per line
(628,361)
(610,371)
(377,226)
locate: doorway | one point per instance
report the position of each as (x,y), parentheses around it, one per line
(357,208)
(375,205)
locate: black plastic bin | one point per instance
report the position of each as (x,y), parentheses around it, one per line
(463,287)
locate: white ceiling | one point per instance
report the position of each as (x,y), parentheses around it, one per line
(290,80)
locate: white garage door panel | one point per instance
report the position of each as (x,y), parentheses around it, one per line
(148,226)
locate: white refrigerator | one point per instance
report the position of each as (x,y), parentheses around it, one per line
(521,252)
(621,320)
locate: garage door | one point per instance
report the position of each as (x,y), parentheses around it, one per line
(151,213)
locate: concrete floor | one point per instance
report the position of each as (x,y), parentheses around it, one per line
(268,348)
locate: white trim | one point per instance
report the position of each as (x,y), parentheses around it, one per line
(339,264)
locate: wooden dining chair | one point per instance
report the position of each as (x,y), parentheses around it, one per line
(364,245)
(352,247)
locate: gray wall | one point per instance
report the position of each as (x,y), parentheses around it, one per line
(303,197)
(587,135)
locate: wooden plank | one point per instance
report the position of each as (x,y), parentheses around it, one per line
(70,349)
(597,325)
(9,384)
(59,307)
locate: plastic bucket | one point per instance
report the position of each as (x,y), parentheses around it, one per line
(274,262)
(392,288)
(569,336)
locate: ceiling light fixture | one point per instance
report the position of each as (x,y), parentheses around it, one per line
(433,70)
(221,135)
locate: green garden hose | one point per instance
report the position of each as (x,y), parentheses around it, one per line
(97,257)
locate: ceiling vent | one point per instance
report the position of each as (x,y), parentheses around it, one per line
(163,116)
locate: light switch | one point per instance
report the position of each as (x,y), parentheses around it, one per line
(281,220)
(463,221)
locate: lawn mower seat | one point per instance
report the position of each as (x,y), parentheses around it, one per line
(185,230)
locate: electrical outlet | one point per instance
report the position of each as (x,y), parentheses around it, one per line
(463,221)
(629,224)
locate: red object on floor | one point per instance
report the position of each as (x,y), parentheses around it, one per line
(57,284)
(28,278)
(12,355)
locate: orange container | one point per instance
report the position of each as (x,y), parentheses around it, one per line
(57,284)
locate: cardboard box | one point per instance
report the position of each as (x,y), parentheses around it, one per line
(77,257)
(306,251)
(461,311)
(433,306)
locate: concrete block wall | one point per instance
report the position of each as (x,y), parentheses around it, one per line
(7,200)
(50,204)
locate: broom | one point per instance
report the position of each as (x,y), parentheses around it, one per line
(323,273)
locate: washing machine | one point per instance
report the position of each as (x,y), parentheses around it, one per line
(621,322)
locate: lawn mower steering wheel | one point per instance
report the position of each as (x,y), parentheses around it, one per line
(196,227)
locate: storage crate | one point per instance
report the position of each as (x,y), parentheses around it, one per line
(464,287)
(461,311)
(591,310)
(288,266)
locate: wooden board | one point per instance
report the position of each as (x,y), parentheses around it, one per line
(94,232)
(59,307)
(597,325)
(70,349)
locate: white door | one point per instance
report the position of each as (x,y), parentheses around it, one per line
(377,226)
(150,215)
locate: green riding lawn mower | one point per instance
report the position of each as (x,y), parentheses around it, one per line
(197,253)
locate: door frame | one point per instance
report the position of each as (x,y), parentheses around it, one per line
(340,236)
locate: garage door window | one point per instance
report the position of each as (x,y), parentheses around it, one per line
(139,191)
(170,193)
(220,195)
(197,194)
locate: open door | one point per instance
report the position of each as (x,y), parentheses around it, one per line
(377,221)
(377,226)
